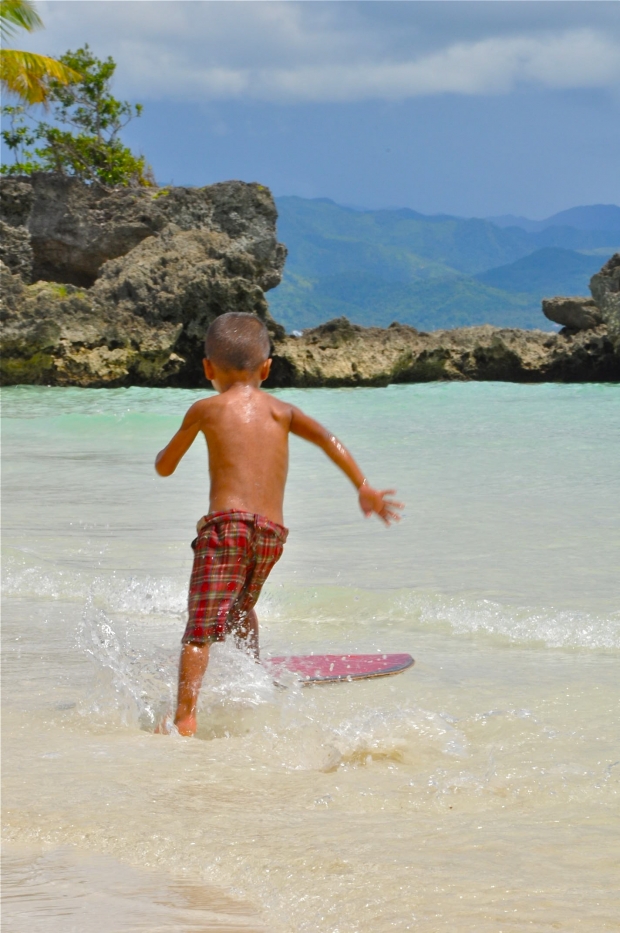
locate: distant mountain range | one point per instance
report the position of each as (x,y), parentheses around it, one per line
(591,217)
(433,271)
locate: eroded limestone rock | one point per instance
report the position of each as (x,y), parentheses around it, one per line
(110,288)
(576,313)
(16,251)
(343,354)
(126,282)
(605,288)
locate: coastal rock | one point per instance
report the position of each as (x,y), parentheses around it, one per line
(126,282)
(16,251)
(574,313)
(56,335)
(75,228)
(605,288)
(16,199)
(117,287)
(343,354)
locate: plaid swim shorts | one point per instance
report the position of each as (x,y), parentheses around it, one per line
(233,556)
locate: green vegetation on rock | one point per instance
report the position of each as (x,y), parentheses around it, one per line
(83,140)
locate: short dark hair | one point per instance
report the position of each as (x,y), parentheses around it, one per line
(237,340)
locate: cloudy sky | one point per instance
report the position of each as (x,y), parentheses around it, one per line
(471,108)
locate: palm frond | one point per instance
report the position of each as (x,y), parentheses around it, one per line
(26,74)
(16,14)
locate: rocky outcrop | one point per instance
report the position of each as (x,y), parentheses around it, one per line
(343,354)
(603,307)
(605,288)
(117,287)
(586,350)
(573,313)
(16,251)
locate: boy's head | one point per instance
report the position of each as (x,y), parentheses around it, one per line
(237,341)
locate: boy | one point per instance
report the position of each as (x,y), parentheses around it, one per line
(242,537)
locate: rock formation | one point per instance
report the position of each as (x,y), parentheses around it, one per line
(586,350)
(605,288)
(343,354)
(573,313)
(117,287)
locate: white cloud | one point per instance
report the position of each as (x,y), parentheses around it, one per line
(337,52)
(493,66)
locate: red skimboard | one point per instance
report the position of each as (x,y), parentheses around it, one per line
(332,668)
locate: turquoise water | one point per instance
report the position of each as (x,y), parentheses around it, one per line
(476,791)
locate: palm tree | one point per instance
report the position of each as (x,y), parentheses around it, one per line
(24,73)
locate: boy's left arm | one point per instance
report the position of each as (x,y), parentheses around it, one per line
(168,459)
(370,499)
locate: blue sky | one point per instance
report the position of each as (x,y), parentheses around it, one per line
(469,108)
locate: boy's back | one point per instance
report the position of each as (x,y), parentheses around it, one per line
(247,438)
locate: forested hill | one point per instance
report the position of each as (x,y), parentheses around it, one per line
(375,267)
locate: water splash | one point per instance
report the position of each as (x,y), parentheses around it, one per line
(162,599)
(139,684)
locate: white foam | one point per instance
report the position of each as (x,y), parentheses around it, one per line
(521,624)
(337,611)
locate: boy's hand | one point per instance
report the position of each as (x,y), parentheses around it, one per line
(371,500)
(374,500)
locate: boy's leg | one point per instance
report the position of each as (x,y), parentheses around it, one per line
(192,666)
(246,631)
(268,549)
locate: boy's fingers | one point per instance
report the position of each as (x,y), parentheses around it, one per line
(390,492)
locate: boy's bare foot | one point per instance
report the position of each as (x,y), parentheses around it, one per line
(186,726)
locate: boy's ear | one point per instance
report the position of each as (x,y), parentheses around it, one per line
(207,365)
(265,370)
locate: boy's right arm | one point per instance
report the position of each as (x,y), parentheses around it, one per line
(168,459)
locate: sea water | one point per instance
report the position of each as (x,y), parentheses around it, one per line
(477,791)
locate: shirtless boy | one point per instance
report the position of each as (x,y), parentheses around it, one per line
(242,537)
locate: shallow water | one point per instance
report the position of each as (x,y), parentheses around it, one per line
(476,791)
(66,891)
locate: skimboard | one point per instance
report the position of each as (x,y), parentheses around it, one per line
(332,668)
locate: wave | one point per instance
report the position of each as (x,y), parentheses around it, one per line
(357,619)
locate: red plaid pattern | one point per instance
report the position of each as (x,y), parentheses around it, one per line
(233,556)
